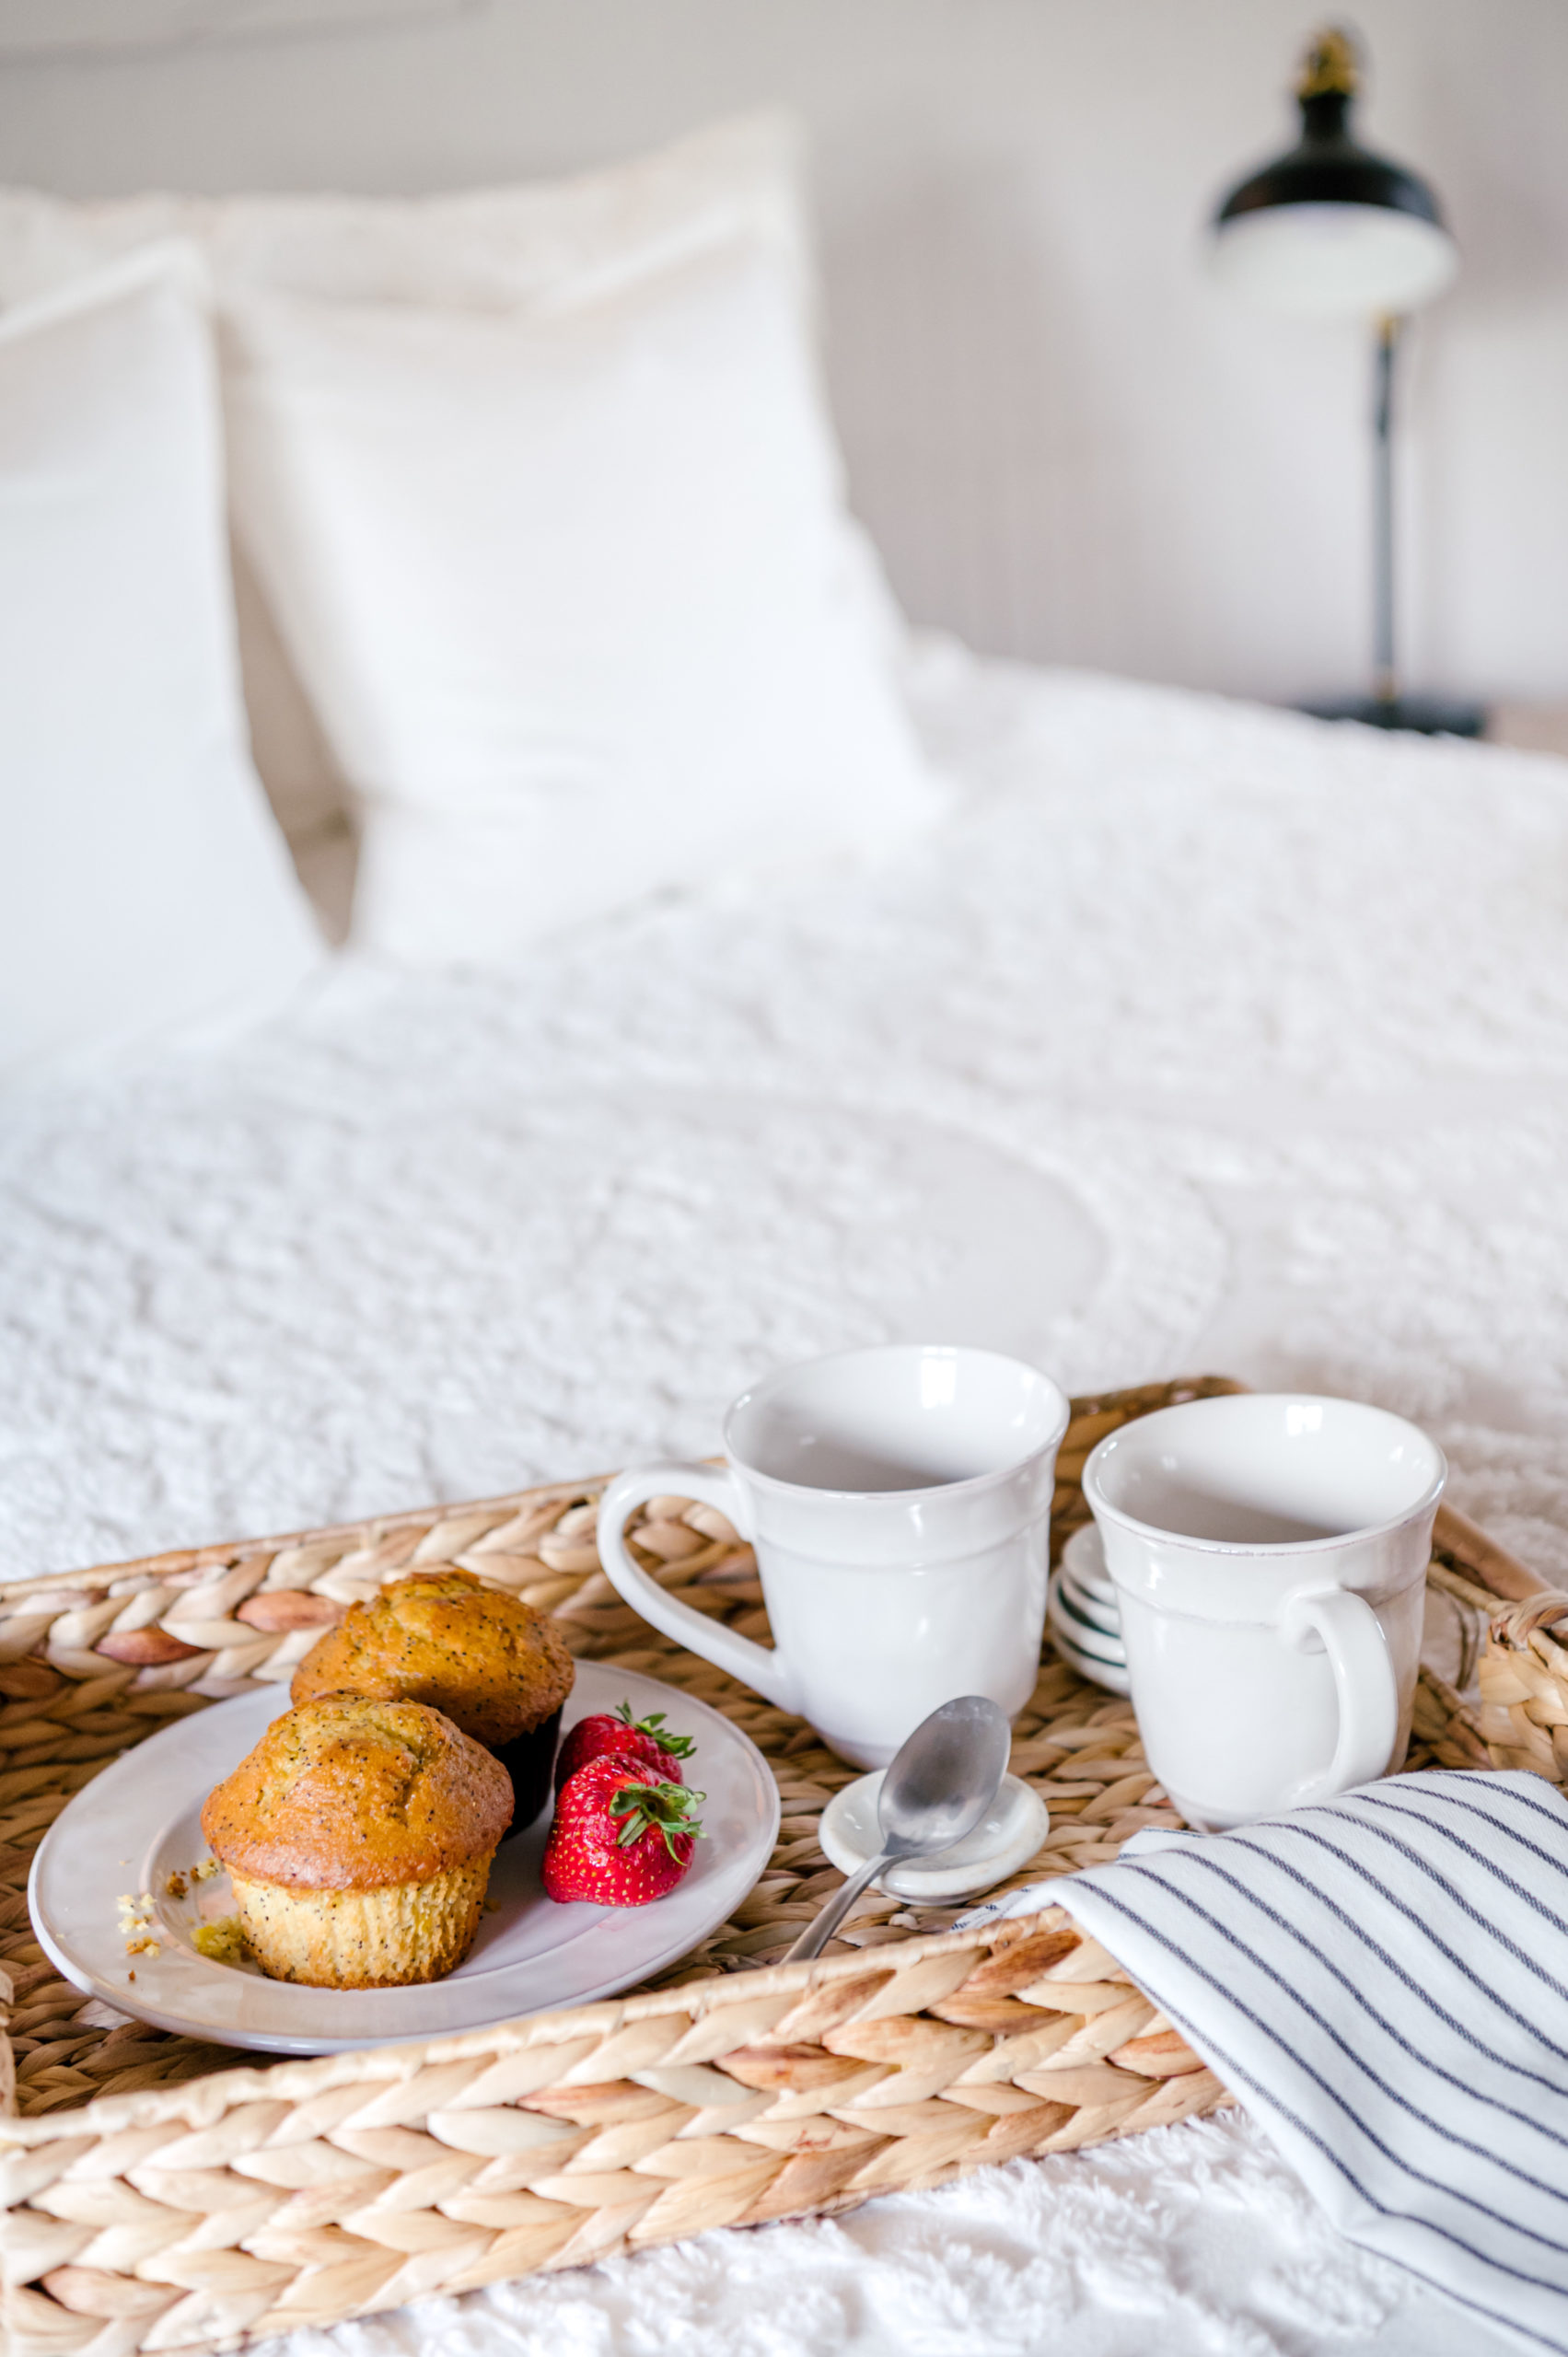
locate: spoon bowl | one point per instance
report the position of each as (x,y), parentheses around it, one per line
(942,1780)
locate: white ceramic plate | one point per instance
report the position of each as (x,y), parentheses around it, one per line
(1107,1674)
(1100,1644)
(1111,1675)
(140,1822)
(1095,1652)
(1082,1562)
(1088,1629)
(1006,1838)
(1105,1618)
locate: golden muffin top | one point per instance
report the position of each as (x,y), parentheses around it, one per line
(491,1662)
(350,1793)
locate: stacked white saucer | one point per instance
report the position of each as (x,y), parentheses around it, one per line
(1084,1618)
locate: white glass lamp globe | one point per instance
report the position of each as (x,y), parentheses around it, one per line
(1332,262)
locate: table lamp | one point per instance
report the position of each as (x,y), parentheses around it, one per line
(1332,231)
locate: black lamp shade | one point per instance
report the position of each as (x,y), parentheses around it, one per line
(1330,228)
(1328,167)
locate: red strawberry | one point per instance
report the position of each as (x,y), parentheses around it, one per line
(617,1840)
(644,1739)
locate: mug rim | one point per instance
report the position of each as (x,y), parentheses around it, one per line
(1277,1548)
(971,1483)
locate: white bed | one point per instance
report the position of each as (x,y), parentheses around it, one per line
(1198,1036)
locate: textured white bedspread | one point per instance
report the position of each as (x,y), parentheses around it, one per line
(1199,1037)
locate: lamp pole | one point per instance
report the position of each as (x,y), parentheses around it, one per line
(1387,707)
(1385,671)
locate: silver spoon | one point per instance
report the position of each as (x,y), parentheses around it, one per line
(943,1780)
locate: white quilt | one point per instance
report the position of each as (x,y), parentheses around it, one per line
(1201,1038)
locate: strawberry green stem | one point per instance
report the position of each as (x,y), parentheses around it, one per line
(664,1810)
(679,1747)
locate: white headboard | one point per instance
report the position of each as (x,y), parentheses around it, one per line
(1067,443)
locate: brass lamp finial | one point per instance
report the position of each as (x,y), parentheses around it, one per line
(1331,67)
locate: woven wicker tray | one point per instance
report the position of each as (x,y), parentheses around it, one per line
(194,2202)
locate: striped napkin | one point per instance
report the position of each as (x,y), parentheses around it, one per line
(1383,1982)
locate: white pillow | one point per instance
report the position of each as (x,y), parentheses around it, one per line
(562,699)
(143,884)
(572,593)
(472,249)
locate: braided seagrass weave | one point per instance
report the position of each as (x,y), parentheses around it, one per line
(197,2203)
(1524,1686)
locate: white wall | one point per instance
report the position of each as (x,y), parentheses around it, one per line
(1066,442)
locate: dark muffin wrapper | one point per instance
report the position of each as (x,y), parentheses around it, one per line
(529,1760)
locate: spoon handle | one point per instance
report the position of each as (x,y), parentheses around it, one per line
(817,1934)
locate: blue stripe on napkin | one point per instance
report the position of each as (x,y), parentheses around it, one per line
(1383,1982)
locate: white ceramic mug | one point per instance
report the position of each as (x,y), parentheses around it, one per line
(1269,1558)
(898,1500)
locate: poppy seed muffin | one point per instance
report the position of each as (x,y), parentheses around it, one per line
(358,1837)
(494,1666)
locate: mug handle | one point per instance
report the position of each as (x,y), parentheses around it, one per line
(755,1666)
(1363,1681)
